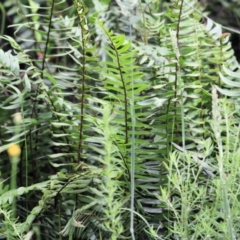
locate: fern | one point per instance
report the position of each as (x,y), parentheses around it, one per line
(85,86)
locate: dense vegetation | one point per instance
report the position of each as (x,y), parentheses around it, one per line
(118,120)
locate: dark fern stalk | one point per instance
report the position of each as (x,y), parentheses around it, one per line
(81,10)
(48,37)
(43,62)
(114,47)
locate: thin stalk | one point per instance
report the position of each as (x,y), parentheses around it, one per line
(133,120)
(14,185)
(3,12)
(217,128)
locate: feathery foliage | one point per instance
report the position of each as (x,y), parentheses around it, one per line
(103,85)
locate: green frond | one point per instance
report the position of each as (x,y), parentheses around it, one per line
(117,96)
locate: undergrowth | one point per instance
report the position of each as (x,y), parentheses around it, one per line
(125,122)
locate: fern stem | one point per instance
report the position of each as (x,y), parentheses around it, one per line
(133,120)
(3,12)
(125,96)
(48,38)
(82,99)
(82,23)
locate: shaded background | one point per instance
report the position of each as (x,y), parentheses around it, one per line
(225,12)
